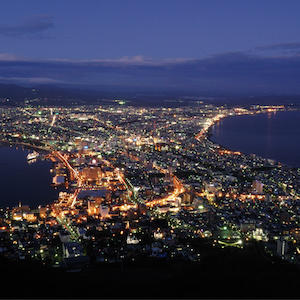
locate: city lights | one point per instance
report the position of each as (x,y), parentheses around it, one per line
(146,179)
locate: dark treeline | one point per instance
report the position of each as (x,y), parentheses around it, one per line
(222,273)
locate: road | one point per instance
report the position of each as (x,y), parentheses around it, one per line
(75,173)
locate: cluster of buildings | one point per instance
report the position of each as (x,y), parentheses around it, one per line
(140,184)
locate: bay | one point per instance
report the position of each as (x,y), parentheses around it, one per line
(22,182)
(274,135)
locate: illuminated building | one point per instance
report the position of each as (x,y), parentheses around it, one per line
(108,195)
(30,217)
(58,180)
(259,235)
(104,211)
(163,208)
(158,235)
(23,213)
(282,247)
(94,206)
(131,239)
(43,211)
(212,187)
(187,198)
(91,174)
(257,187)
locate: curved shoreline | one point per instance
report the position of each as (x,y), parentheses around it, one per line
(208,134)
(25,145)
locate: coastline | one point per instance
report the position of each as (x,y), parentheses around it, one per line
(209,134)
(23,145)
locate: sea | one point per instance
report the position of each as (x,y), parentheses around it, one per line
(22,182)
(274,135)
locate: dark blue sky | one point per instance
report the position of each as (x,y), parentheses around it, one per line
(217,45)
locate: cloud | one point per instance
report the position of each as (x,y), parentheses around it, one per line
(32,28)
(138,60)
(279,49)
(30,80)
(241,72)
(9,57)
(285,46)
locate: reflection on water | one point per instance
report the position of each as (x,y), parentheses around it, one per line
(271,135)
(269,130)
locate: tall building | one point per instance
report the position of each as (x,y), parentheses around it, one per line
(282,247)
(257,187)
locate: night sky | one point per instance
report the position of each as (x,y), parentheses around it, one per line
(223,46)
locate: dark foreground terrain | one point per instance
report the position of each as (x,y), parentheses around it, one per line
(222,273)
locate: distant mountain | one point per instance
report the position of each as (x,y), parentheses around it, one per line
(44,95)
(48,95)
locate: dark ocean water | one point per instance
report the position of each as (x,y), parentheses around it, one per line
(20,181)
(270,135)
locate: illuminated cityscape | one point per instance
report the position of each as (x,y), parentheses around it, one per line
(146,184)
(149,149)
(140,183)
